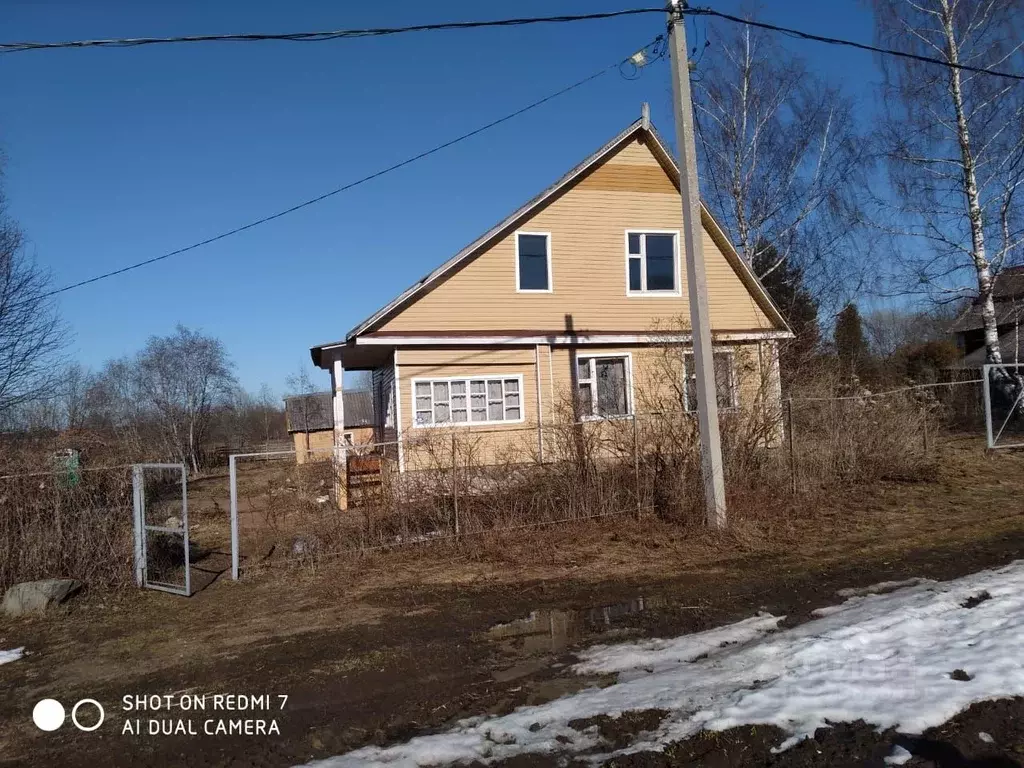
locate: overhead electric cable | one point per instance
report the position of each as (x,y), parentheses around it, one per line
(851,43)
(655,47)
(316,37)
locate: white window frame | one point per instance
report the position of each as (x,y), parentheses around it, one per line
(348,439)
(734,395)
(592,356)
(643,262)
(502,377)
(551,285)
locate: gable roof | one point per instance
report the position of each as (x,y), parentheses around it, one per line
(639,129)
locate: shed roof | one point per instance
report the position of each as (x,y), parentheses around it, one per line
(1008,295)
(315,411)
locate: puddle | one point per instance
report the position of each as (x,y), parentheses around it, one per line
(553,631)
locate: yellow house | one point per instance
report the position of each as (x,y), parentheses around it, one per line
(565,301)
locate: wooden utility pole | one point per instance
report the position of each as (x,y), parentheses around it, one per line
(696,277)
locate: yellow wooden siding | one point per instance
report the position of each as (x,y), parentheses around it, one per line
(587,224)
(656,375)
(316,446)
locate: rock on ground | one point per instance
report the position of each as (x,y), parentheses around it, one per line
(36,597)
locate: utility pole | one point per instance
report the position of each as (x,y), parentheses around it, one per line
(696,277)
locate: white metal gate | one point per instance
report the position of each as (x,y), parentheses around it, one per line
(162,559)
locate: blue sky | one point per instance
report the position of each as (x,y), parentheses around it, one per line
(114,156)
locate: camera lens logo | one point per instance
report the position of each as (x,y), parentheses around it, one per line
(48,715)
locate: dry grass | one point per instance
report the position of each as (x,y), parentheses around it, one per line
(55,526)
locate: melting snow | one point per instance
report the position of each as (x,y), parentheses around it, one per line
(883,658)
(898,756)
(12,655)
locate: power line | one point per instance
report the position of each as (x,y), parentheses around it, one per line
(851,44)
(655,46)
(315,37)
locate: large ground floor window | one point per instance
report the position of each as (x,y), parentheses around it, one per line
(603,385)
(471,400)
(725,381)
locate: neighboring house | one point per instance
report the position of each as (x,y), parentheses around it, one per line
(566,297)
(1008,296)
(311,423)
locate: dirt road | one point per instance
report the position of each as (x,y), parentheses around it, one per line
(384,649)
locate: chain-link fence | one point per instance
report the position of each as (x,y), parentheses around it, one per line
(448,483)
(1004,405)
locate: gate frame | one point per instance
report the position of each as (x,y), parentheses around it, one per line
(141,528)
(986,385)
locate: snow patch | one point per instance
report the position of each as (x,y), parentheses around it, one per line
(986,738)
(881,587)
(650,656)
(898,756)
(883,658)
(12,655)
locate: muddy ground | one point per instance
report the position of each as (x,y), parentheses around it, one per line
(386,647)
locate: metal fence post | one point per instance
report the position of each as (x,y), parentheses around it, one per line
(792,444)
(455,484)
(137,503)
(233,480)
(636,468)
(184,524)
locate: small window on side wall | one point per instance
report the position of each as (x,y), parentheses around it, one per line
(533,261)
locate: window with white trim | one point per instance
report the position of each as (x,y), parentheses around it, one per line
(725,381)
(602,385)
(483,400)
(651,262)
(533,261)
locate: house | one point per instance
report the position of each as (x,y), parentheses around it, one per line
(564,301)
(311,423)
(1008,297)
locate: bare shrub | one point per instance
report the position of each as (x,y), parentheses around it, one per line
(60,525)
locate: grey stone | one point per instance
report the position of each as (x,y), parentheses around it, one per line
(35,597)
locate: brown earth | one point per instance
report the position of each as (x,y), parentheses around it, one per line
(384,647)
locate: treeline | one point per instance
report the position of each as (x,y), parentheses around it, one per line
(177,398)
(882,348)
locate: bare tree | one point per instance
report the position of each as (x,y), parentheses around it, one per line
(781,158)
(954,145)
(31,334)
(183,377)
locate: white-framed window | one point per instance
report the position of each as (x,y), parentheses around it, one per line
(725,381)
(604,385)
(347,438)
(652,263)
(533,262)
(467,400)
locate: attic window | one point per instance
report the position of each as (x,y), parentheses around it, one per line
(652,263)
(533,261)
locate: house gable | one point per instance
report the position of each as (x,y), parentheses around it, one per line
(630,185)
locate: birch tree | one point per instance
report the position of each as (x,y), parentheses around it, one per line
(954,145)
(781,159)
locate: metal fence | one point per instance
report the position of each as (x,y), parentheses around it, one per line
(1004,405)
(451,482)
